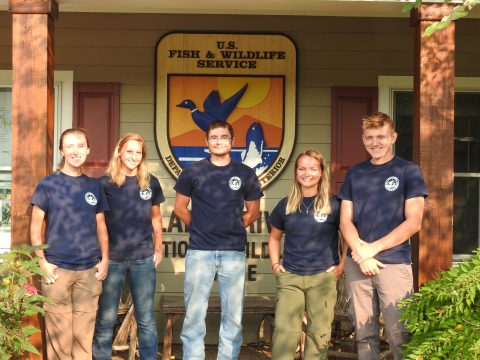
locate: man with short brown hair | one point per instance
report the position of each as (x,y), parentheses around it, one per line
(219,188)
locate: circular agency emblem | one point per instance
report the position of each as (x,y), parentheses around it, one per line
(146,194)
(235,183)
(90,198)
(391,184)
(320,217)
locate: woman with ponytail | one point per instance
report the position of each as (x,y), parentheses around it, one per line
(77,259)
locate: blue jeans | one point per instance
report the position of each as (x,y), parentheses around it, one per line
(200,269)
(142,279)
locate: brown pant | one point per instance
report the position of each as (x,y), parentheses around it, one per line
(370,295)
(70,319)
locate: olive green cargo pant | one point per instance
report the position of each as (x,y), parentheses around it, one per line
(315,294)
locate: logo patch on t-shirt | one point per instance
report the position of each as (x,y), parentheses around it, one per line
(391,184)
(91,199)
(235,183)
(320,217)
(146,194)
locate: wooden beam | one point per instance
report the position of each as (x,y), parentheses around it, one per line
(49,7)
(32,117)
(434,74)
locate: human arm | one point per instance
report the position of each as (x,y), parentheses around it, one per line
(274,245)
(102,236)
(412,224)
(181,208)
(347,228)
(350,235)
(157,233)
(36,237)
(338,269)
(253,212)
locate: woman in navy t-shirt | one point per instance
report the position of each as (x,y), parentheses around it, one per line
(306,281)
(77,260)
(134,197)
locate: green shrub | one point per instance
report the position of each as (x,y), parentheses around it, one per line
(18,298)
(444,316)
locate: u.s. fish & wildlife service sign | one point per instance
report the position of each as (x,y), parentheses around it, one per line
(248,80)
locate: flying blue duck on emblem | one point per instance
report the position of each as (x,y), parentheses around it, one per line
(213,108)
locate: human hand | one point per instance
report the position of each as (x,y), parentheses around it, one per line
(371,267)
(277,268)
(157,257)
(49,268)
(364,252)
(337,270)
(102,270)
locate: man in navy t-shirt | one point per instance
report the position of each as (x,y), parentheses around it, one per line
(382,207)
(219,188)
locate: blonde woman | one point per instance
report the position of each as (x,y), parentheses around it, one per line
(77,260)
(134,197)
(306,280)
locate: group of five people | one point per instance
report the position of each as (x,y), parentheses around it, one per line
(101,231)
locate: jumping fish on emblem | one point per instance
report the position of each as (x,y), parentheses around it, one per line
(255,143)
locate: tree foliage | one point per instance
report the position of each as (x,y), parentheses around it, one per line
(458,12)
(444,316)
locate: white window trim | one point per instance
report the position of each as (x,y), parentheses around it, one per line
(63,105)
(388,84)
(63,82)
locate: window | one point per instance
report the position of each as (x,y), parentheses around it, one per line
(396,98)
(5,164)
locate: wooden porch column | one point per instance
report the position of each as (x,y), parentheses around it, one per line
(434,73)
(32,114)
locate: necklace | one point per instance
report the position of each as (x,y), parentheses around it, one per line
(309,206)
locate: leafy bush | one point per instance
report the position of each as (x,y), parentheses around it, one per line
(444,316)
(18,298)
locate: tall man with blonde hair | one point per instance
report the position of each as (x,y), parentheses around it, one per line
(382,207)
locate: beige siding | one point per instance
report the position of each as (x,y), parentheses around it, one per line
(331,52)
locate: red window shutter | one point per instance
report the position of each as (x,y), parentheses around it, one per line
(349,106)
(96,108)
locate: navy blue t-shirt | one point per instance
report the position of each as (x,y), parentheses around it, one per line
(129,220)
(218,195)
(71,204)
(378,193)
(311,240)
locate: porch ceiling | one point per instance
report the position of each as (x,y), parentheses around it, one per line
(378,8)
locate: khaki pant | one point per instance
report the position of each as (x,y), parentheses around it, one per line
(315,294)
(370,295)
(70,319)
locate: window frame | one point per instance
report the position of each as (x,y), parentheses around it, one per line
(63,106)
